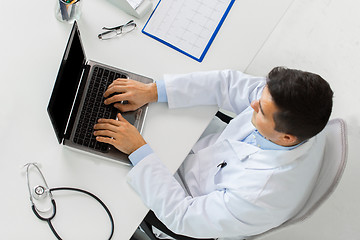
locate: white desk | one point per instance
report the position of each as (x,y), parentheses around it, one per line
(34,40)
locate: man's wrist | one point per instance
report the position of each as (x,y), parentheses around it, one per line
(139,154)
(161,91)
(153,92)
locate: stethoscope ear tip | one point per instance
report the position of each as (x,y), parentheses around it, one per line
(24,168)
(30,163)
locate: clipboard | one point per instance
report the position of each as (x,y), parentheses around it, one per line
(188,26)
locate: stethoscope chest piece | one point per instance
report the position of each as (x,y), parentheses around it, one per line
(39,192)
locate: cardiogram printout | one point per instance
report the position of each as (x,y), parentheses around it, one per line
(189,26)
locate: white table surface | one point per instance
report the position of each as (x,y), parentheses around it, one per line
(32,45)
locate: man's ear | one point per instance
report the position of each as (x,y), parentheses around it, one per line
(289,140)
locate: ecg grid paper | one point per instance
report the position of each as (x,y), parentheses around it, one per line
(187,25)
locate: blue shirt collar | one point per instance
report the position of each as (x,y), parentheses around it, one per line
(265,144)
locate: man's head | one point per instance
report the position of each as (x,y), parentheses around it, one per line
(294,106)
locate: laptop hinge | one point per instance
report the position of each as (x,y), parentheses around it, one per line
(76,104)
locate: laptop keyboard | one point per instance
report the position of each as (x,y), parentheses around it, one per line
(94,109)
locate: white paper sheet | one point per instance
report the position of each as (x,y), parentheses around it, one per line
(187,24)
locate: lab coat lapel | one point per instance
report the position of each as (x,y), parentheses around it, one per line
(239,127)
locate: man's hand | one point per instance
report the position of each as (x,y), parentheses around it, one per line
(119,133)
(135,93)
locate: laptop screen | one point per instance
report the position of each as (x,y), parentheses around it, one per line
(66,84)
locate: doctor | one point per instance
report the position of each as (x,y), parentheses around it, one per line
(248,178)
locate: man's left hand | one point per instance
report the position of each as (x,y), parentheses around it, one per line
(119,133)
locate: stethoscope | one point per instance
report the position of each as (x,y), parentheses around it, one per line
(41,192)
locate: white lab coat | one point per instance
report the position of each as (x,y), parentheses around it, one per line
(257,189)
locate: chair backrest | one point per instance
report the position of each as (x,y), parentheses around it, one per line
(332,168)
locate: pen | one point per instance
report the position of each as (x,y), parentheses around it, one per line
(63,9)
(73,8)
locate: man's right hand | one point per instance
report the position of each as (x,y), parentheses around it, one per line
(136,94)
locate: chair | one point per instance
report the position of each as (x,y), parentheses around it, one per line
(332,168)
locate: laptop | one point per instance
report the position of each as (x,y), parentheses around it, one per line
(77,101)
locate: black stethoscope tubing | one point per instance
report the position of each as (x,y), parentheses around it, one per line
(48,220)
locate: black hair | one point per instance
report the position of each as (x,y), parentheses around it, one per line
(304,101)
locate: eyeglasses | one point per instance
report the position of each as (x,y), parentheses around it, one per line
(113,32)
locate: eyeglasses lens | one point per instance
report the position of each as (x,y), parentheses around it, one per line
(107,35)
